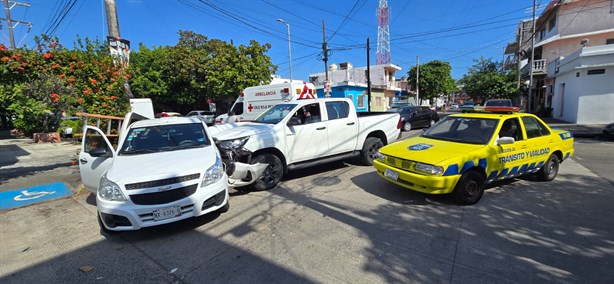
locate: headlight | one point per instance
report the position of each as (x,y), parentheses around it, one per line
(379,156)
(428,169)
(214,173)
(110,191)
(232,144)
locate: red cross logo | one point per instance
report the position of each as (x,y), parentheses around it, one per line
(307,93)
(250,107)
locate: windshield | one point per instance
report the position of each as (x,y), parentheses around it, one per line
(499,103)
(463,130)
(275,114)
(159,138)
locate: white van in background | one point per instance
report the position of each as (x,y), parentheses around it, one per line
(255,100)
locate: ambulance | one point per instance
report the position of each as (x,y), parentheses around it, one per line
(253,101)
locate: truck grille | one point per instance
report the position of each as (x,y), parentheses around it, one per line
(163,196)
(161,182)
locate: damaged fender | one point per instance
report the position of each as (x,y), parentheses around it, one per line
(240,175)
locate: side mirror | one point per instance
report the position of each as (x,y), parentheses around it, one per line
(294,121)
(505,140)
(99,152)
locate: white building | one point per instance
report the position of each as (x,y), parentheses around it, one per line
(584,86)
(572,67)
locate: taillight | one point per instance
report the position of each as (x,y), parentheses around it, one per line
(400,123)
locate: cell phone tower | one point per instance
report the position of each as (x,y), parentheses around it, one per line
(382,56)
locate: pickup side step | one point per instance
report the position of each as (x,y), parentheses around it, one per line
(324,160)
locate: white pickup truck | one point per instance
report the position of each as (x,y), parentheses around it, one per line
(297,134)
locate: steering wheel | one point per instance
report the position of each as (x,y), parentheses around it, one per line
(187,142)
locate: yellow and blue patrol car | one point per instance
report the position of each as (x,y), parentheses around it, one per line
(464,152)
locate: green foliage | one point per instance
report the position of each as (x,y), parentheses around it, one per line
(38,86)
(435,79)
(485,80)
(196,69)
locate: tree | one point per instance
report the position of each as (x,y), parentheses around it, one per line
(435,79)
(485,80)
(184,76)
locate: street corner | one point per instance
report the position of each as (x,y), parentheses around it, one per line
(25,196)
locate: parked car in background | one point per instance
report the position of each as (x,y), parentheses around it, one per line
(454,106)
(499,102)
(207,116)
(167,114)
(416,116)
(608,131)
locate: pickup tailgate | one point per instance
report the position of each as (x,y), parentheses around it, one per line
(384,124)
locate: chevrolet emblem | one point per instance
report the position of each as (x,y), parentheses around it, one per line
(164,188)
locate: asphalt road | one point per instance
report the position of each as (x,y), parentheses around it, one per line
(596,154)
(338,223)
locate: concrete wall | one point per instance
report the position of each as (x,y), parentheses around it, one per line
(575,17)
(582,98)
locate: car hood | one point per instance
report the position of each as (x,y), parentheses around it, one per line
(160,165)
(236,130)
(426,150)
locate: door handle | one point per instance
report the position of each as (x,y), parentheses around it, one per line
(83,161)
(320,128)
(350,123)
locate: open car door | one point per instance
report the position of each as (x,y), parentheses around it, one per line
(95,157)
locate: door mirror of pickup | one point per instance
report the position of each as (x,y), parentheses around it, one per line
(294,121)
(99,152)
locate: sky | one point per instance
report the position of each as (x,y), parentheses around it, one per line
(456,31)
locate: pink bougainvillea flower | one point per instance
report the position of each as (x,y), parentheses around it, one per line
(48,55)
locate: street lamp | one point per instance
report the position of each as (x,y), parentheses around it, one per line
(289,49)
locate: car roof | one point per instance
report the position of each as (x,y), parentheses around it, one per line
(491,115)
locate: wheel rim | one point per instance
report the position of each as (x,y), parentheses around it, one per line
(432,122)
(270,173)
(373,151)
(471,189)
(407,126)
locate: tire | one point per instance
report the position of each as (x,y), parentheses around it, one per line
(407,126)
(470,188)
(369,150)
(550,169)
(273,173)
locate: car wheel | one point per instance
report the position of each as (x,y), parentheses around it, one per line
(103,229)
(470,188)
(549,171)
(369,150)
(271,175)
(406,126)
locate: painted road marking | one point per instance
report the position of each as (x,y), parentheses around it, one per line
(26,196)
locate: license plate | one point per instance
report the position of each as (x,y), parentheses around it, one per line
(394,175)
(167,212)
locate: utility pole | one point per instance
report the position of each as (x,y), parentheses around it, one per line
(325,59)
(112,23)
(417,81)
(368,77)
(9,21)
(530,106)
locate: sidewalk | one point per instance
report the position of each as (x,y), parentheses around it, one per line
(578,130)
